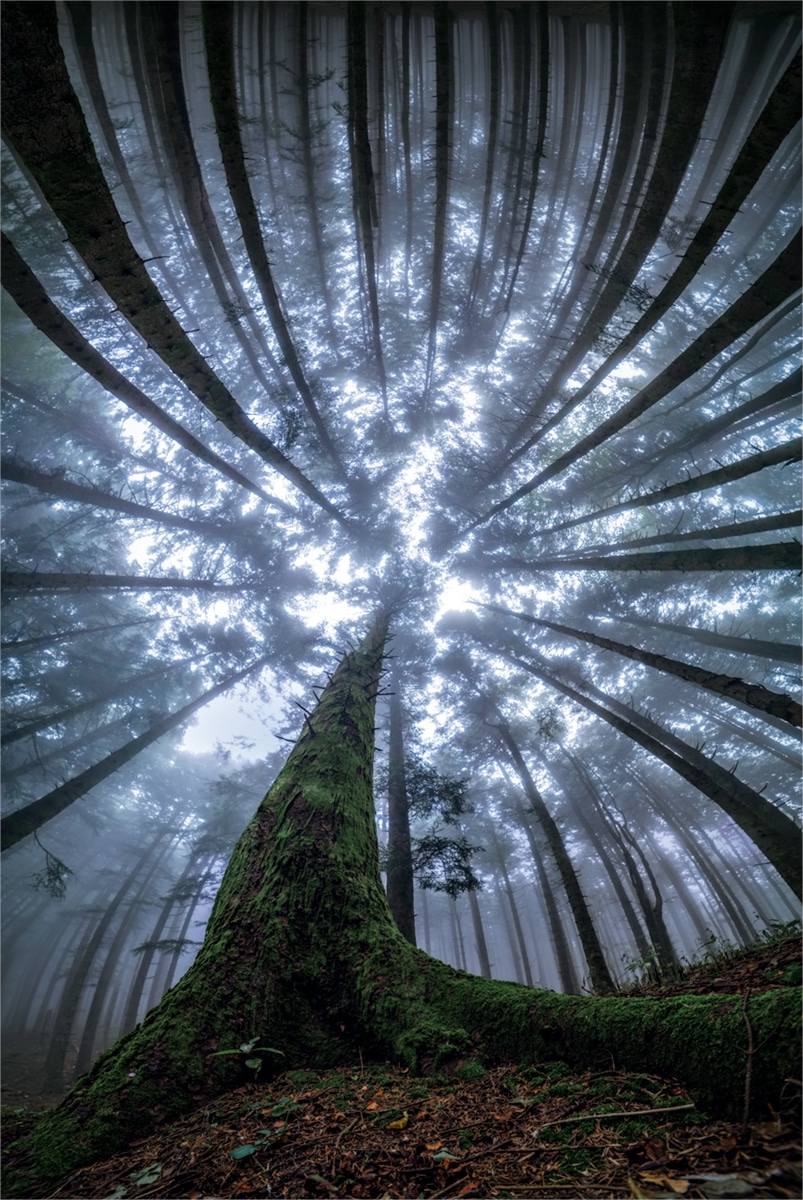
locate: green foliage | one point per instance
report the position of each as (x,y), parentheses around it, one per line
(253,1064)
(443,864)
(470,1070)
(431,794)
(52,879)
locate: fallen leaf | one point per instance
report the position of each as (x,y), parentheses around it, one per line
(372,1107)
(400,1124)
(433,1145)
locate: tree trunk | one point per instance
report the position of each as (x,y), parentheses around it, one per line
(31,817)
(218,38)
(479,936)
(754,647)
(780,281)
(61,158)
(25,582)
(57,485)
(770,556)
(301,951)
(772,830)
(597,967)
(730,687)
(400,888)
(28,293)
(788,452)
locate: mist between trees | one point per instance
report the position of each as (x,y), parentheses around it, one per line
(485,318)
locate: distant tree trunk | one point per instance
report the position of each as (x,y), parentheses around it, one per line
(443,139)
(137,984)
(25,582)
(100,988)
(771,556)
(218,29)
(764,403)
(492,26)
(774,833)
(33,816)
(567,975)
(123,687)
(777,283)
(783,520)
(598,969)
(788,452)
(457,935)
(65,167)
(779,117)
(592,832)
(729,686)
(755,647)
(62,750)
(82,964)
(12,648)
(400,888)
(57,485)
(301,951)
(504,875)
(363,186)
(479,936)
(28,293)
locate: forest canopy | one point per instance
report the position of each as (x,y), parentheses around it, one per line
(485,315)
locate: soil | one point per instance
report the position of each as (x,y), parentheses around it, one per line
(373,1131)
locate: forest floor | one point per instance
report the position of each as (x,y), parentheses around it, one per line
(377,1133)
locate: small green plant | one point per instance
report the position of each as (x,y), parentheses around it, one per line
(470,1070)
(250,1048)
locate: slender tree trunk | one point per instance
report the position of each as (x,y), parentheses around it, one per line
(28,293)
(479,936)
(598,969)
(521,944)
(754,647)
(76,980)
(400,888)
(776,284)
(218,29)
(729,686)
(25,582)
(62,160)
(788,452)
(33,816)
(774,833)
(770,556)
(57,485)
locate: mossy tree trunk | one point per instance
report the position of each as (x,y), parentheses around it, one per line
(302,953)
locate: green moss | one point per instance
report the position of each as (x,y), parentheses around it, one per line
(470,1070)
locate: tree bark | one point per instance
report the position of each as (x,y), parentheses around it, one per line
(218,29)
(301,951)
(787,452)
(772,556)
(597,966)
(28,293)
(772,830)
(57,485)
(754,694)
(400,888)
(61,158)
(776,284)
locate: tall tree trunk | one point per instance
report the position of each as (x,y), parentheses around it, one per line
(400,888)
(479,936)
(754,647)
(218,29)
(57,485)
(301,951)
(28,293)
(33,816)
(776,284)
(597,967)
(507,887)
(443,139)
(772,830)
(61,158)
(788,452)
(82,964)
(730,687)
(771,556)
